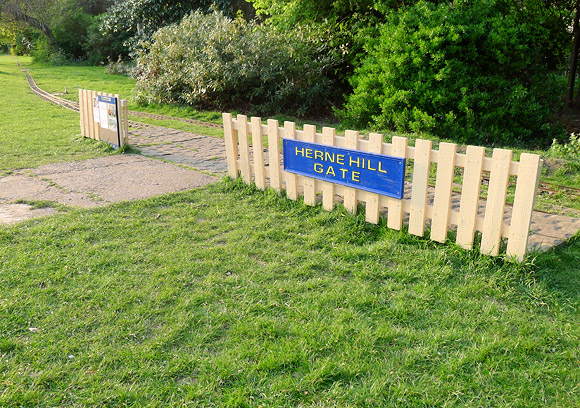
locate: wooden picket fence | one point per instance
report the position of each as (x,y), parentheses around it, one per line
(92,129)
(493,225)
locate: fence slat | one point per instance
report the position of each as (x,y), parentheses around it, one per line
(328,136)
(350,194)
(125,121)
(420,187)
(82,107)
(443,191)
(527,185)
(291,178)
(372,203)
(96,131)
(309,183)
(231,137)
(274,154)
(470,196)
(258,150)
(395,206)
(244,149)
(495,205)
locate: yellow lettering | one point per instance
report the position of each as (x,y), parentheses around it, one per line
(318,168)
(344,171)
(309,153)
(301,151)
(329,157)
(369,166)
(340,158)
(356,176)
(330,170)
(351,161)
(318,155)
(381,168)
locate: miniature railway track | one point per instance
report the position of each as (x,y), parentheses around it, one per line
(543,186)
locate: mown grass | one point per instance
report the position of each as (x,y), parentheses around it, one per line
(34,132)
(230,297)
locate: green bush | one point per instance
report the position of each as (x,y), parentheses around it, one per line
(466,70)
(212,61)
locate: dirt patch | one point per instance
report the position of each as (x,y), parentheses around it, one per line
(92,183)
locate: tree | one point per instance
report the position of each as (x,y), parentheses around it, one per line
(36,14)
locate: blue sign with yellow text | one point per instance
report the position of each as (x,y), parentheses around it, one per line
(377,173)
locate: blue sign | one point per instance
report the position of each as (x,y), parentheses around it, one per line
(372,172)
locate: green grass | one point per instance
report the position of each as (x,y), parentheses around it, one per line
(193,299)
(34,132)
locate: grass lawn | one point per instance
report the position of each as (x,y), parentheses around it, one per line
(34,132)
(230,297)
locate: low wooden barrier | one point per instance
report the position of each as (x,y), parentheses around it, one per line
(90,127)
(263,166)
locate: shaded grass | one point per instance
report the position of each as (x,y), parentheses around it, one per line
(227,296)
(34,132)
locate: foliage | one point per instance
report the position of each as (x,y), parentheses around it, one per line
(212,61)
(467,71)
(103,45)
(139,19)
(570,149)
(70,32)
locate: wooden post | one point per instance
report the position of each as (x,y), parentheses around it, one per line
(395,206)
(470,196)
(495,205)
(244,149)
(328,137)
(274,154)
(309,182)
(258,146)
(125,125)
(443,191)
(291,178)
(372,204)
(527,185)
(350,194)
(420,187)
(231,139)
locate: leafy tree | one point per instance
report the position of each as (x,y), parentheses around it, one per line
(468,70)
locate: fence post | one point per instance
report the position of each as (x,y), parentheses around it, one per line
(395,206)
(258,149)
(274,154)
(350,194)
(309,183)
(420,187)
(231,138)
(372,204)
(328,137)
(244,149)
(291,178)
(495,203)
(527,185)
(443,191)
(470,196)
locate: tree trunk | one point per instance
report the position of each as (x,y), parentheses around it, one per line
(574,58)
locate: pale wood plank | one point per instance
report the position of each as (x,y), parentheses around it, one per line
(258,150)
(309,183)
(495,205)
(350,194)
(96,134)
(443,191)
(470,196)
(274,154)
(526,188)
(420,186)
(291,178)
(82,112)
(231,140)
(244,149)
(396,206)
(372,199)
(125,120)
(328,136)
